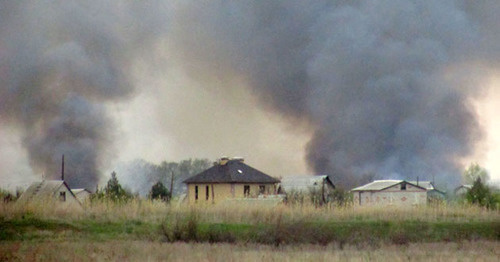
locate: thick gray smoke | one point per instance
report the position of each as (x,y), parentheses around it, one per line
(386,85)
(59,62)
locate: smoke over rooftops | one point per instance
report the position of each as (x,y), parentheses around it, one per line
(378,80)
(385,85)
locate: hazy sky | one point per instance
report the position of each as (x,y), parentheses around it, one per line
(354,89)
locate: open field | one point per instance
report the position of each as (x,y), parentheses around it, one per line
(105,230)
(154,251)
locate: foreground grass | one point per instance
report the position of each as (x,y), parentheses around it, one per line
(371,233)
(126,250)
(155,221)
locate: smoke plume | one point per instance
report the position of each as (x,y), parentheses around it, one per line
(60,61)
(386,86)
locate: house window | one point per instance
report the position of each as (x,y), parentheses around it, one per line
(62,196)
(403,186)
(208,193)
(246,190)
(262,189)
(196,192)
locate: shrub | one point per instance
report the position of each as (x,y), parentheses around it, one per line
(159,191)
(113,191)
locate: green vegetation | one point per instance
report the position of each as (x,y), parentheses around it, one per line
(482,195)
(474,172)
(159,192)
(280,225)
(113,191)
(277,233)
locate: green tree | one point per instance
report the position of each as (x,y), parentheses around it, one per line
(114,191)
(159,191)
(473,172)
(481,195)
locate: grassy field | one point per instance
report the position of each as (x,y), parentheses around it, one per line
(295,232)
(127,250)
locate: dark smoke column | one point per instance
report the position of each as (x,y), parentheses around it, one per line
(377,80)
(60,63)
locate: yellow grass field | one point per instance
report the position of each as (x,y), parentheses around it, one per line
(106,231)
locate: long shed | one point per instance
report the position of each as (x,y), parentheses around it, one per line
(390,193)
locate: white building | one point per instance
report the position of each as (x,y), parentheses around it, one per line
(307,184)
(81,194)
(55,191)
(390,193)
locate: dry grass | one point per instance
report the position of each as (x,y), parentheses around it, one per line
(64,243)
(151,251)
(155,212)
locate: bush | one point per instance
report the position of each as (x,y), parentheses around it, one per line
(159,191)
(113,191)
(340,197)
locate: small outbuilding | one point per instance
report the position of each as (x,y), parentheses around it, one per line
(307,184)
(462,190)
(49,191)
(82,194)
(230,179)
(390,193)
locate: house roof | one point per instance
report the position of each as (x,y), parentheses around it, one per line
(43,189)
(80,190)
(378,185)
(234,171)
(304,182)
(425,184)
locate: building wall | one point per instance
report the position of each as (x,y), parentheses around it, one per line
(392,196)
(69,198)
(225,191)
(82,196)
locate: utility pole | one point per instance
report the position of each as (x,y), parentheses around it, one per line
(62,168)
(171,184)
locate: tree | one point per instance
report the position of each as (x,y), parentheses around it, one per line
(473,172)
(481,195)
(159,191)
(114,191)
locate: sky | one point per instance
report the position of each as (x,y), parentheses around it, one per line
(356,90)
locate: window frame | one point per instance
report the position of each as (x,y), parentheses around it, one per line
(195,192)
(62,196)
(246,190)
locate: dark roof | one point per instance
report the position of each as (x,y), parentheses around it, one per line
(234,171)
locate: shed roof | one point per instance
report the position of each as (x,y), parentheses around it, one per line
(425,184)
(234,171)
(304,182)
(80,190)
(43,189)
(378,185)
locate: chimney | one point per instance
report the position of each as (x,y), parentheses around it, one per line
(239,159)
(417,180)
(62,168)
(223,160)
